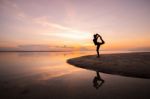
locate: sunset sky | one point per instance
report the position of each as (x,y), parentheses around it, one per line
(70,24)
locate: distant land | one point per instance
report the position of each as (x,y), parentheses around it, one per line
(41,48)
(63,48)
(35,51)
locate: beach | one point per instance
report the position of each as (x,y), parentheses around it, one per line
(126,64)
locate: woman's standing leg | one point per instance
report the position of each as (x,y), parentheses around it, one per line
(97,49)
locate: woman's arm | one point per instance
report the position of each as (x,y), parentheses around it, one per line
(97,35)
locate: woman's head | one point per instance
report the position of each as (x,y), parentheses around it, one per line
(94,35)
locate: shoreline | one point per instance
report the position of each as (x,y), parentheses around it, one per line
(134,64)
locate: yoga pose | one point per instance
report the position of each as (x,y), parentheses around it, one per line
(97,43)
(97,81)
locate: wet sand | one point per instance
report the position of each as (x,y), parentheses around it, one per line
(126,64)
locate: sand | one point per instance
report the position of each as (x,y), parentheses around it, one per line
(125,64)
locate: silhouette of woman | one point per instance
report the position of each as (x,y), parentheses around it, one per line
(97,81)
(98,44)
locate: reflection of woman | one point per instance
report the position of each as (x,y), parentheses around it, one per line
(98,43)
(97,81)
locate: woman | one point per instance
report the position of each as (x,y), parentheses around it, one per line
(98,43)
(97,81)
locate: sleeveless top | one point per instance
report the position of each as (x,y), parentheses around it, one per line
(95,41)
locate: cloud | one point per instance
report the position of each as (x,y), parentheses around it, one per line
(12,9)
(44,21)
(37,47)
(50,29)
(65,32)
